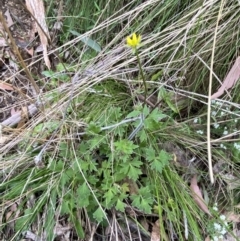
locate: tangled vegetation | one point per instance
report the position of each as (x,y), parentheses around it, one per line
(119,145)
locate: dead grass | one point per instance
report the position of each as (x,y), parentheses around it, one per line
(190,47)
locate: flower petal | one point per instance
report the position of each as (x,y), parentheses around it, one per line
(129,41)
(134,40)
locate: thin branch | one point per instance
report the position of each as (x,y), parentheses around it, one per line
(209,97)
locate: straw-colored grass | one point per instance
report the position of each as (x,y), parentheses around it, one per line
(73,165)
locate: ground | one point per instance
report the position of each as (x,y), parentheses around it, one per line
(100,140)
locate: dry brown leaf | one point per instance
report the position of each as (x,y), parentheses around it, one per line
(155,235)
(232,217)
(230,237)
(144,223)
(32,236)
(207,238)
(12,214)
(36,7)
(197,195)
(4,86)
(13,61)
(230,80)
(30,51)
(3,139)
(3,42)
(9,21)
(39,49)
(8,18)
(60,230)
(13,111)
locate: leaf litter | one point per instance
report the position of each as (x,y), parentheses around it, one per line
(230,80)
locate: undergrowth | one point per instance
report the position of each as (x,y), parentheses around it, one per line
(95,158)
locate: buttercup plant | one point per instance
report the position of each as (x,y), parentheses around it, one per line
(133,42)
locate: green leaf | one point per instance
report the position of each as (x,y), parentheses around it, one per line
(88,41)
(141,203)
(63,77)
(83,194)
(64,208)
(51,211)
(93,128)
(120,205)
(63,149)
(96,141)
(145,206)
(134,172)
(68,203)
(125,146)
(150,153)
(164,156)
(61,67)
(57,166)
(49,74)
(146,111)
(115,114)
(110,197)
(173,107)
(166,96)
(134,113)
(136,201)
(143,135)
(162,94)
(83,147)
(124,168)
(99,215)
(64,179)
(157,115)
(161,161)
(152,122)
(157,75)
(157,165)
(22,222)
(131,169)
(143,200)
(77,224)
(45,128)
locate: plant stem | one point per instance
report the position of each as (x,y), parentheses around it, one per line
(143,77)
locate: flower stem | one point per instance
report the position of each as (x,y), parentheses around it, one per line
(143,77)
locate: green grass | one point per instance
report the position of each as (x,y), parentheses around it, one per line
(73,163)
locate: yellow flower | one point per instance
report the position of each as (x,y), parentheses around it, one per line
(134,40)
